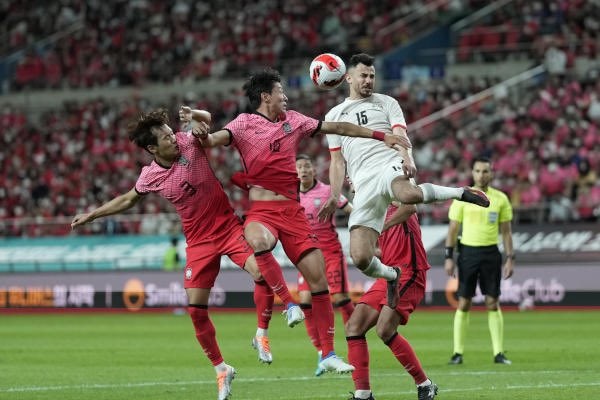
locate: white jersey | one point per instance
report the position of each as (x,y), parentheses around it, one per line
(366,157)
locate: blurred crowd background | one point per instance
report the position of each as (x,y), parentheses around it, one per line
(71,153)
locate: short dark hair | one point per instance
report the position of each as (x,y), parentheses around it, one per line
(303,156)
(482,159)
(140,131)
(258,83)
(361,58)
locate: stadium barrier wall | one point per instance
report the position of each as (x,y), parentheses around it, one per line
(557,265)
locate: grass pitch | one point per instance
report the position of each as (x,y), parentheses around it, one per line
(97,356)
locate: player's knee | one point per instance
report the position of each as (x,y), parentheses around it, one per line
(259,244)
(353,327)
(385,331)
(361,258)
(411,196)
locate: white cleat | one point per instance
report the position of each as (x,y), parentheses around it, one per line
(261,344)
(224,379)
(294,315)
(332,363)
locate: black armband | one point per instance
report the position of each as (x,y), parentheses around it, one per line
(449,252)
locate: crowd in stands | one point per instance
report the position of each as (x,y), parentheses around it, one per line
(136,42)
(530,28)
(545,148)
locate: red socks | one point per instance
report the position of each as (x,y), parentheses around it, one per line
(323,320)
(205,333)
(311,328)
(263,299)
(271,272)
(346,308)
(358,355)
(404,353)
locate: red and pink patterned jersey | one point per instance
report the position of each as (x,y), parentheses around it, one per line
(312,201)
(268,150)
(190,184)
(399,243)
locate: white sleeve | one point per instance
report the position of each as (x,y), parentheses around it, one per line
(395,113)
(334,141)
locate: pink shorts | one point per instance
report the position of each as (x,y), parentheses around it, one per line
(412,290)
(204,258)
(336,270)
(287,222)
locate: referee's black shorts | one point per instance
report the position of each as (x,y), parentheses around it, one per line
(481,265)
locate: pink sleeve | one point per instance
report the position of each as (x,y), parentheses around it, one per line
(309,125)
(141,185)
(236,127)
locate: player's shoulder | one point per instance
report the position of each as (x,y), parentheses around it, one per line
(243,118)
(291,115)
(321,185)
(383,98)
(336,109)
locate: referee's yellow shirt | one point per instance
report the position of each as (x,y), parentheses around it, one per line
(480,225)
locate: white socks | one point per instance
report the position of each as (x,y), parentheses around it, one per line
(378,270)
(433,193)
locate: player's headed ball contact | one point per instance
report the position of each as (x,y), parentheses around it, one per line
(327,71)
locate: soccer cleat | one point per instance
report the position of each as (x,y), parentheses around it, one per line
(332,363)
(456,359)
(475,196)
(392,289)
(293,314)
(261,344)
(224,379)
(500,358)
(427,392)
(319,371)
(358,398)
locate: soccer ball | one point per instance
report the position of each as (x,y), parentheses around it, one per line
(327,71)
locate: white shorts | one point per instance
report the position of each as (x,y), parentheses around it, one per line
(372,198)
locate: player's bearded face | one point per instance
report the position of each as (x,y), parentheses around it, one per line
(363,79)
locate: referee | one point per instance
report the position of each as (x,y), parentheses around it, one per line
(479,260)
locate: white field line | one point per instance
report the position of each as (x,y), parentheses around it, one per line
(24,389)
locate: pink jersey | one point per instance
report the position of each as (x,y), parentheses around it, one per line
(402,246)
(190,184)
(312,200)
(268,150)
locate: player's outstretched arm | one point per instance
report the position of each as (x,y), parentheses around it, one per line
(187,115)
(352,130)
(337,172)
(115,206)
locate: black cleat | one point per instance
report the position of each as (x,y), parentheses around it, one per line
(475,196)
(392,289)
(500,358)
(427,392)
(456,359)
(356,398)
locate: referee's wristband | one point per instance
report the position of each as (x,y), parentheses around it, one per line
(449,252)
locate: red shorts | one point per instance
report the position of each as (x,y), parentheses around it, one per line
(287,222)
(336,270)
(412,290)
(204,258)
